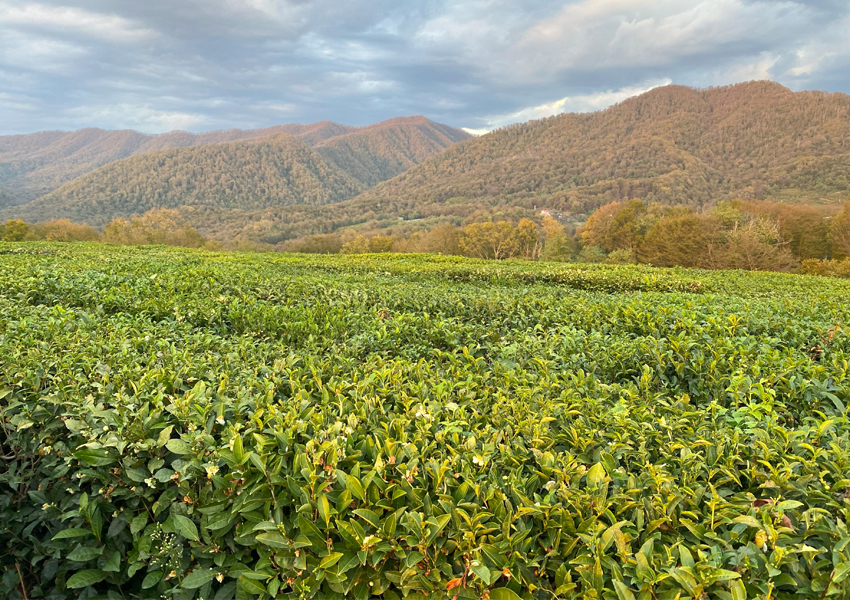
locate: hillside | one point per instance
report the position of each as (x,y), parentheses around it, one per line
(382,151)
(36,164)
(672,145)
(274,171)
(347,161)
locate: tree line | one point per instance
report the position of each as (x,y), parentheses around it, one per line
(157,226)
(750,235)
(739,234)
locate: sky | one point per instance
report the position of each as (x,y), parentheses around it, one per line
(200,65)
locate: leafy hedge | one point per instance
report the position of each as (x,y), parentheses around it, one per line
(180,424)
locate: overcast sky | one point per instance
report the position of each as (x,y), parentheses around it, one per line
(158,65)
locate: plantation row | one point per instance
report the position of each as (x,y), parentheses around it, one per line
(184,424)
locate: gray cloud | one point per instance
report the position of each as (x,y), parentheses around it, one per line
(206,64)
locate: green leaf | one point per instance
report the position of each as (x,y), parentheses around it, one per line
(685,579)
(71,533)
(352,484)
(84,553)
(748,520)
(504,593)
(330,560)
(251,586)
(482,572)
(138,523)
(164,436)
(85,578)
(739,592)
(151,579)
(623,591)
(178,446)
(198,577)
(788,505)
(94,458)
(273,539)
(370,517)
(324,510)
(113,563)
(186,527)
(238,450)
(596,475)
(841,571)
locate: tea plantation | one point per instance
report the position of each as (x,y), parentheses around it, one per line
(180,424)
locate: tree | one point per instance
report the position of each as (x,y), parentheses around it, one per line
(15,231)
(443,239)
(314,244)
(62,230)
(753,246)
(616,226)
(157,226)
(489,240)
(679,241)
(839,232)
(557,245)
(805,228)
(528,239)
(381,243)
(356,245)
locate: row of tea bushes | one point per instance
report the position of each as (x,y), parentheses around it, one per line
(188,425)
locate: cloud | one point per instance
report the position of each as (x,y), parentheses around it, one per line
(140,118)
(477,63)
(70,19)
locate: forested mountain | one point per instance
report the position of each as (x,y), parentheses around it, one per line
(674,145)
(382,151)
(36,164)
(273,171)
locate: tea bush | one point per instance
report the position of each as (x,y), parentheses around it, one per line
(181,424)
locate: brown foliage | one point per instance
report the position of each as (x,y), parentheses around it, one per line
(679,240)
(62,230)
(839,232)
(157,226)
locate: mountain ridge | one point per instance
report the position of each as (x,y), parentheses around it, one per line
(186,176)
(33,165)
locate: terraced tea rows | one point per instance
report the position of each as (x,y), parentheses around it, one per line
(182,424)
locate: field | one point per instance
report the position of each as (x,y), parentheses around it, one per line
(182,424)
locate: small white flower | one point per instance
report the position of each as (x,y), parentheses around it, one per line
(477,460)
(45,506)
(151,482)
(211,471)
(219,577)
(220,420)
(550,485)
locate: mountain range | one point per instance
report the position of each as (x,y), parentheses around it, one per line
(95,175)
(673,145)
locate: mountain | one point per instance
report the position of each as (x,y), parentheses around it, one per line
(35,164)
(269,169)
(674,145)
(278,170)
(382,151)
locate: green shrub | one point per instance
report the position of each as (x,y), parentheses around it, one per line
(184,424)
